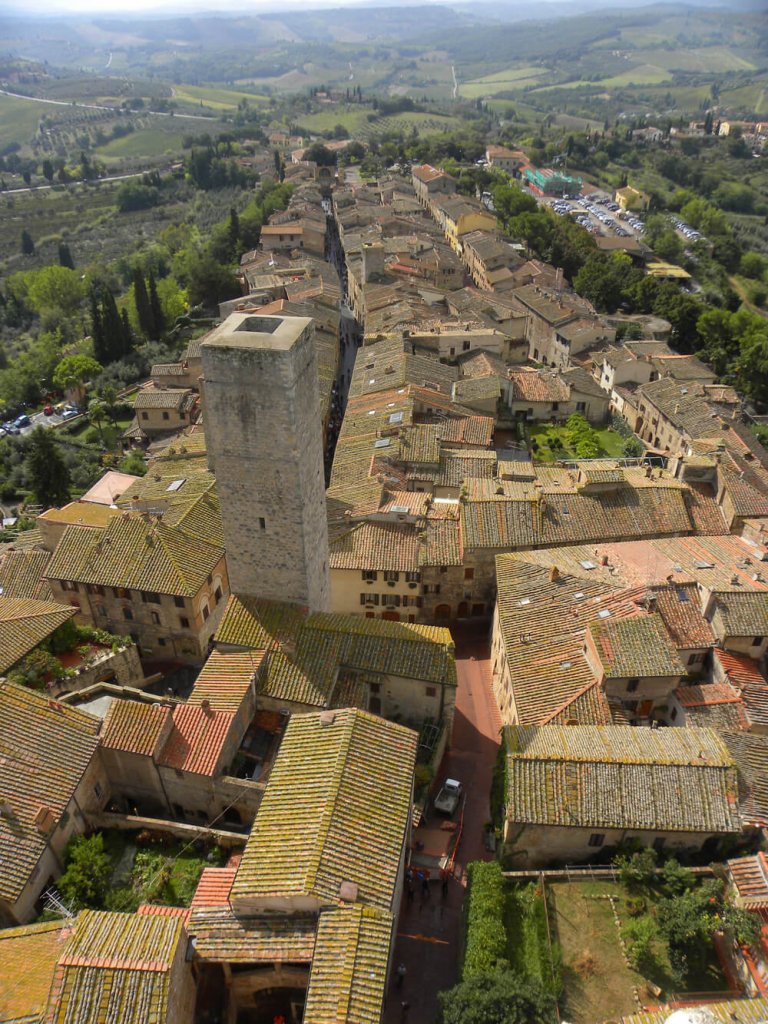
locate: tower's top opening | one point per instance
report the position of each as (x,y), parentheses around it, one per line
(260,324)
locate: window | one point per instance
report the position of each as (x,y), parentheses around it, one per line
(369,598)
(148,597)
(443,568)
(184,622)
(217,595)
(67,585)
(375,687)
(597,839)
(128,614)
(581,407)
(121,592)
(658,843)
(145,415)
(161,641)
(166,416)
(412,577)
(370,575)
(262,523)
(155,619)
(673,715)
(469,574)
(178,601)
(756,641)
(555,406)
(465,346)
(430,691)
(632,685)
(391,577)
(100,611)
(390,600)
(94,588)
(206,612)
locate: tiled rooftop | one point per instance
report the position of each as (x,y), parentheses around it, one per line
(24,623)
(135,727)
(621,777)
(221,936)
(21,574)
(226,678)
(637,646)
(197,740)
(27,960)
(45,747)
(335,810)
(349,967)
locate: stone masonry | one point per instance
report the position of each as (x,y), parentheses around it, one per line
(262,424)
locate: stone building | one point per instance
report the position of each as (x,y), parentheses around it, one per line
(265,446)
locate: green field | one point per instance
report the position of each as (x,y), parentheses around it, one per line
(502,81)
(714,59)
(144,142)
(213,98)
(19,119)
(355,120)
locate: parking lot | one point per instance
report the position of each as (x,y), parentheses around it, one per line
(24,423)
(597,213)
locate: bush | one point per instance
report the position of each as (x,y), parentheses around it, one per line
(639,933)
(637,870)
(501,997)
(636,906)
(676,878)
(85,882)
(486,938)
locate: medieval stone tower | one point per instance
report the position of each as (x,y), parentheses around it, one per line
(264,437)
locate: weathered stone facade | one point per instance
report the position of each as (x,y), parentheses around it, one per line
(265,447)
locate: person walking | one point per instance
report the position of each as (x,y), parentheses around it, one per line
(402,970)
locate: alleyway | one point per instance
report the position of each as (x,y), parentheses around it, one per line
(429,931)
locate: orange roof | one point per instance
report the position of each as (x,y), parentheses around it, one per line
(226,679)
(197,739)
(213,887)
(135,727)
(156,911)
(741,670)
(707,695)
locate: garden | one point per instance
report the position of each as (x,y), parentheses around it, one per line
(593,950)
(114,870)
(577,439)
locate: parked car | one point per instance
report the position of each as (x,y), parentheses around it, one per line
(69,412)
(22,421)
(48,410)
(447,800)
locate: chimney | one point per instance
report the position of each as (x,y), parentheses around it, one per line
(205,704)
(554,574)
(604,560)
(327,718)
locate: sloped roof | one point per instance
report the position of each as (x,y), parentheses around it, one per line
(21,574)
(638,646)
(349,967)
(741,614)
(750,752)
(222,937)
(135,551)
(25,623)
(391,547)
(621,777)
(680,608)
(226,678)
(45,748)
(116,969)
(197,740)
(27,961)
(336,809)
(135,727)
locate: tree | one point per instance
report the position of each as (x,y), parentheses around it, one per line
(97,413)
(47,470)
(753,265)
(73,372)
(498,997)
(85,882)
(56,292)
(155,307)
(143,308)
(65,256)
(27,245)
(47,170)
(320,154)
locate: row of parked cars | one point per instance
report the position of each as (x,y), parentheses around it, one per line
(66,410)
(685,229)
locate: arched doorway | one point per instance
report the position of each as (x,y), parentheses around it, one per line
(463,610)
(443,611)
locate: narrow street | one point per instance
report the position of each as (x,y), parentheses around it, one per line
(429,930)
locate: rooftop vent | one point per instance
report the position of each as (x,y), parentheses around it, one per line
(327,718)
(348,892)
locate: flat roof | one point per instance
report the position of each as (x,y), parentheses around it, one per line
(252,331)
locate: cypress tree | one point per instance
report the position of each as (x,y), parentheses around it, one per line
(143,307)
(114,331)
(27,245)
(48,472)
(65,256)
(158,319)
(97,329)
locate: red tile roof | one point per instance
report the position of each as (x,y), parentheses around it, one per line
(707,695)
(226,679)
(197,740)
(213,887)
(157,911)
(741,670)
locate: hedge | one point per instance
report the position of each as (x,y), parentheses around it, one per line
(486,945)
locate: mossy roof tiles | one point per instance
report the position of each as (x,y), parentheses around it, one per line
(349,969)
(25,623)
(45,748)
(27,960)
(137,552)
(741,614)
(617,776)
(336,809)
(21,574)
(134,727)
(226,678)
(637,646)
(222,937)
(115,969)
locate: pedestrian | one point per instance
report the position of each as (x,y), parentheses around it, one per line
(444,876)
(425,885)
(404,1008)
(402,970)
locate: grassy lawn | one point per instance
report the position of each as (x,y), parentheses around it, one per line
(143,142)
(608,440)
(597,982)
(526,927)
(19,119)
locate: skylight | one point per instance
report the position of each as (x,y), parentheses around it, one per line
(586,564)
(524,600)
(396,417)
(175,485)
(703,565)
(383,442)
(603,613)
(683,596)
(579,596)
(400,508)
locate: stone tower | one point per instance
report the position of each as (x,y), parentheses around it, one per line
(264,438)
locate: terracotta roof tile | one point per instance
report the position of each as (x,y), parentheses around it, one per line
(135,727)
(197,740)
(25,623)
(226,679)
(27,961)
(214,887)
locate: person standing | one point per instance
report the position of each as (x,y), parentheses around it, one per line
(402,970)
